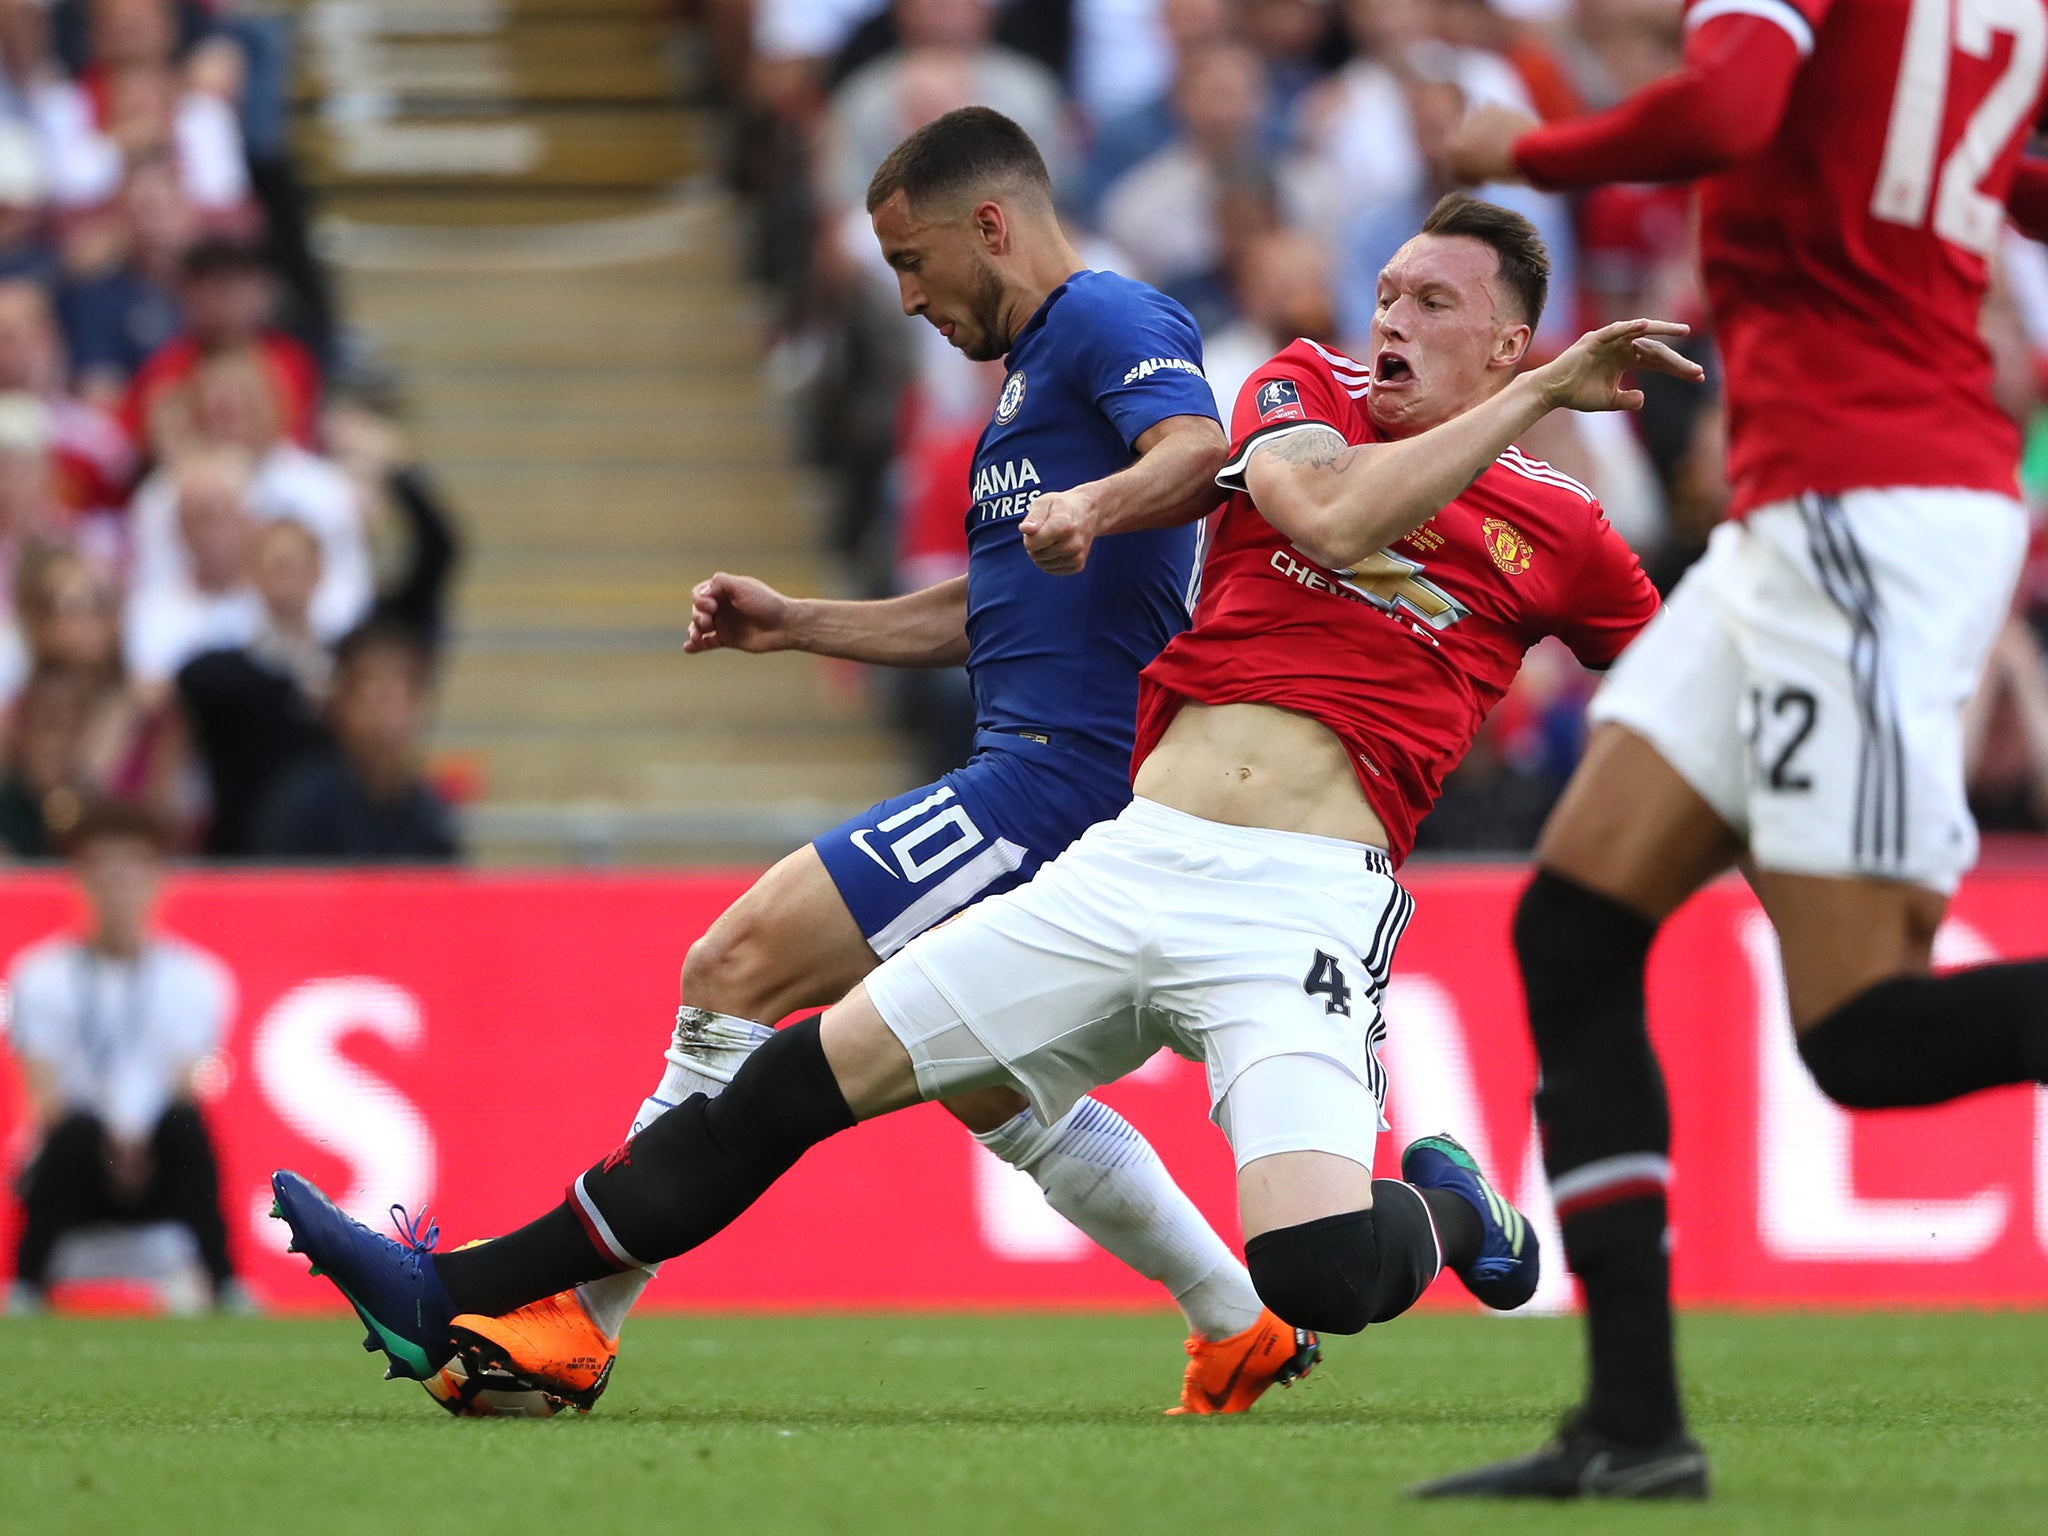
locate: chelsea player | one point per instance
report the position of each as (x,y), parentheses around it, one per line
(1099,459)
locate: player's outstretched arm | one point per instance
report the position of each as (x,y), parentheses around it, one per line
(1724,102)
(920,629)
(1172,482)
(1340,503)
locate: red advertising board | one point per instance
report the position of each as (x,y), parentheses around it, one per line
(468,1042)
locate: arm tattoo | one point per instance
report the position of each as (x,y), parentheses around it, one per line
(1313,449)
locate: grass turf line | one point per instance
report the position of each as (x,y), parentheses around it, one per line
(849,1425)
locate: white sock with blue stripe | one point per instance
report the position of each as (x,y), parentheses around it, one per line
(707,1049)
(1099,1173)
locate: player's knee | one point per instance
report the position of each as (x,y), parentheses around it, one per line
(1321,1274)
(722,970)
(1857,1053)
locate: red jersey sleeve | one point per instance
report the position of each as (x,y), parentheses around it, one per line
(1296,391)
(1608,600)
(1724,103)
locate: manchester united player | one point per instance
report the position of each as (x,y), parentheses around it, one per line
(1797,703)
(1384,563)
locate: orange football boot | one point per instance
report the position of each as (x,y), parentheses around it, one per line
(1229,1375)
(549,1345)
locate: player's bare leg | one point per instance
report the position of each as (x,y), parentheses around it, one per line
(1628,827)
(1858,957)
(1839,937)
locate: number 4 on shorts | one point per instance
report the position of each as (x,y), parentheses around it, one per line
(1325,979)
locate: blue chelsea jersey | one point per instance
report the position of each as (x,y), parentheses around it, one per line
(1103,361)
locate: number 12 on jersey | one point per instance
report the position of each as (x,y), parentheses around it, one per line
(1907,184)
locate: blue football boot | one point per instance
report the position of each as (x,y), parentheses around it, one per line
(1505,1273)
(392,1285)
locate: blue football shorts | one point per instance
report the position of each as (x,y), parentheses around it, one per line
(913,860)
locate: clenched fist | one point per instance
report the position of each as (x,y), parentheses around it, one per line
(737,613)
(1058,531)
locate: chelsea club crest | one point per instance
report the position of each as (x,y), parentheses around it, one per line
(1011,400)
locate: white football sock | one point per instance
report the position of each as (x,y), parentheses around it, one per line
(1099,1173)
(701,1058)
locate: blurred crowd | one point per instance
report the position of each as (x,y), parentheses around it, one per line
(1260,160)
(221,578)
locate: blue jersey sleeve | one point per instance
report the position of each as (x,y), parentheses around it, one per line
(1143,360)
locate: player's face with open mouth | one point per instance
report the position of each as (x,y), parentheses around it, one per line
(943,274)
(1437,334)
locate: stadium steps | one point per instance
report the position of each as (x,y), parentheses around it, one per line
(513,202)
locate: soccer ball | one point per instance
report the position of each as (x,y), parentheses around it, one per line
(473,1389)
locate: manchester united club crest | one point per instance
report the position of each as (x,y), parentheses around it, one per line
(1011,401)
(1510,551)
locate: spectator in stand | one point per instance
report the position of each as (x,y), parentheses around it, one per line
(864,120)
(228,405)
(1545,75)
(40,801)
(79,730)
(92,460)
(135,98)
(1297,42)
(118,303)
(1281,286)
(366,800)
(370,448)
(24,58)
(111,1030)
(1167,214)
(190,589)
(26,248)
(28,519)
(1132,136)
(1379,129)
(1119,54)
(254,709)
(228,296)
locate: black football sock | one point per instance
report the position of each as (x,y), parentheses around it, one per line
(1617,1251)
(1606,1143)
(680,1181)
(1929,1039)
(1458,1231)
(539,1259)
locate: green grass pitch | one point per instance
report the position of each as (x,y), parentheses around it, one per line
(901,1424)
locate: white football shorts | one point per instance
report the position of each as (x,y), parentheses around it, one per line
(1261,954)
(1807,677)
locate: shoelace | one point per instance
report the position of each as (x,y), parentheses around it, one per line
(409,1230)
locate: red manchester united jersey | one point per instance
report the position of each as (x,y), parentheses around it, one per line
(1403,655)
(1845,262)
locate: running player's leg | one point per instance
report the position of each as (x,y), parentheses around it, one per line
(1862,830)
(1628,843)
(1653,812)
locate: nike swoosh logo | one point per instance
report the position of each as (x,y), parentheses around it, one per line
(1601,1476)
(1218,1399)
(860,841)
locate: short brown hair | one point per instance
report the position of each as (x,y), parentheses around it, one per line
(101,820)
(1524,263)
(970,149)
